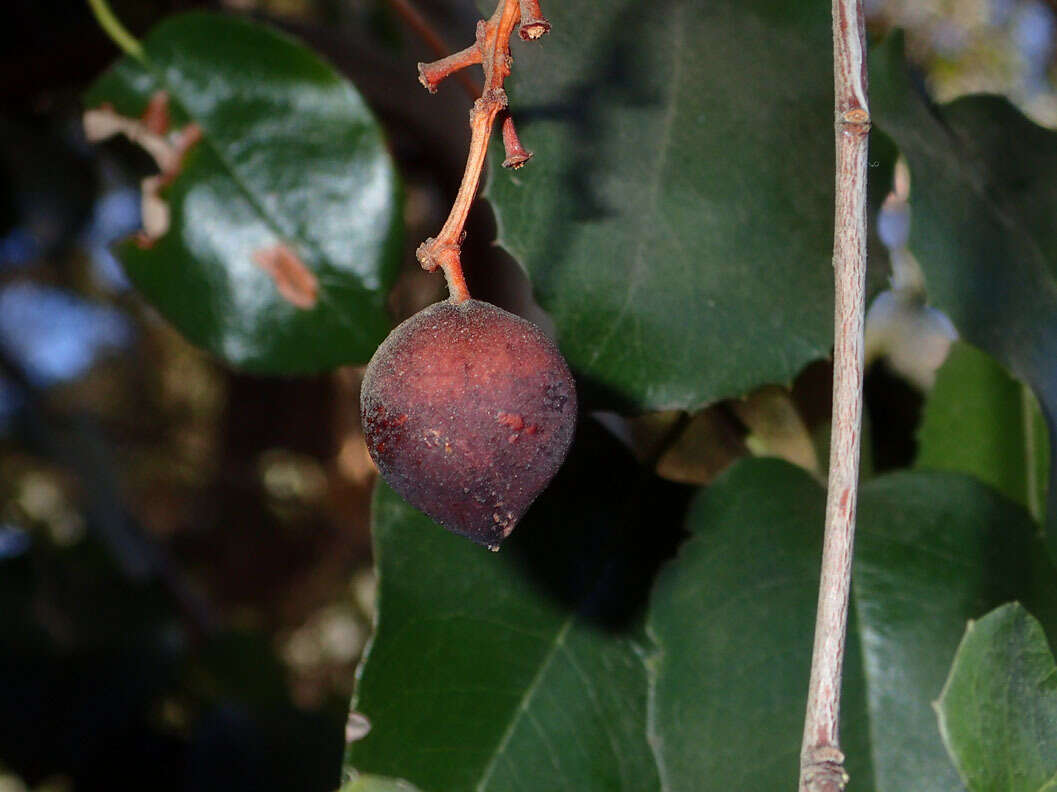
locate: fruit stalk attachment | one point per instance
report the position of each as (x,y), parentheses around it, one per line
(821,760)
(491,50)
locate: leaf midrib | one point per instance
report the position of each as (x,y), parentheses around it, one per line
(557,644)
(667,125)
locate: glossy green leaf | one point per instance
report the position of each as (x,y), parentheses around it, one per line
(981,421)
(732,619)
(518,670)
(289,156)
(983,198)
(998,711)
(676,220)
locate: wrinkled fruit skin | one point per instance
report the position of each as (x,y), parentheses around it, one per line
(468,412)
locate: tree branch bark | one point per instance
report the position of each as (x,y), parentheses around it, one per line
(821,760)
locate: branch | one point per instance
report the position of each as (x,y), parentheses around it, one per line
(407,11)
(492,51)
(430,74)
(821,760)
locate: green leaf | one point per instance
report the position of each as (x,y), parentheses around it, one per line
(289,156)
(981,421)
(933,550)
(519,670)
(676,220)
(732,619)
(998,711)
(983,197)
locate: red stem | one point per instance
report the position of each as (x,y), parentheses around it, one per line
(431,74)
(493,50)
(432,39)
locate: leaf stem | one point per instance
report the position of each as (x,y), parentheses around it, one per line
(821,760)
(117,32)
(492,51)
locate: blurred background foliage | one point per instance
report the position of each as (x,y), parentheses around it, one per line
(185,571)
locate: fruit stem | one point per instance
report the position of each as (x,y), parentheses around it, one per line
(492,51)
(117,32)
(431,74)
(821,760)
(414,20)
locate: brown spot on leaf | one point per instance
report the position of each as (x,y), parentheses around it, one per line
(184,141)
(293,280)
(156,117)
(142,241)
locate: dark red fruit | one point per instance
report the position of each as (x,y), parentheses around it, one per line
(468,412)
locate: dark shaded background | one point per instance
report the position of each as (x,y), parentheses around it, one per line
(185,579)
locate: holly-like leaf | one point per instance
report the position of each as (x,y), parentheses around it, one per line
(676,220)
(983,197)
(272,236)
(998,711)
(519,670)
(979,420)
(733,618)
